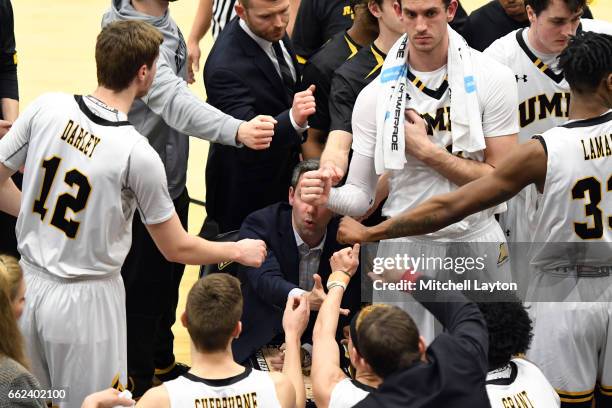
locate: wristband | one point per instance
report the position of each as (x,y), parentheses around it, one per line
(340,276)
(333,284)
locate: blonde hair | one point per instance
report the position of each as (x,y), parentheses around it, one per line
(12,274)
(11,341)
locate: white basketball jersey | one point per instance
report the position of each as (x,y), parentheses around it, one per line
(521,384)
(86,171)
(544,93)
(251,389)
(347,393)
(576,205)
(428,93)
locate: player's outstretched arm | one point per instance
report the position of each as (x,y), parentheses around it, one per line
(457,169)
(108,398)
(284,390)
(524,165)
(156,397)
(326,371)
(295,320)
(10,196)
(178,246)
(336,153)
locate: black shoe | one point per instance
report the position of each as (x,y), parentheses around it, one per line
(170,373)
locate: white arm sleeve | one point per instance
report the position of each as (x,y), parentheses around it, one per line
(146,178)
(356,196)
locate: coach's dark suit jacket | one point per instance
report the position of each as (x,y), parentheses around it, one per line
(241,81)
(265,289)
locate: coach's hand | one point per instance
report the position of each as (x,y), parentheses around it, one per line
(317,295)
(257,133)
(303,106)
(314,187)
(351,231)
(251,252)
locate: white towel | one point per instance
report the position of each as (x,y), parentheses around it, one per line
(466,133)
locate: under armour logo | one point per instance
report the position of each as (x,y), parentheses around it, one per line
(523,78)
(507,232)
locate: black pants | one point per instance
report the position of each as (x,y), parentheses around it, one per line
(152,291)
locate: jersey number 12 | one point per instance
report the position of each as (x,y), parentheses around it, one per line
(64,201)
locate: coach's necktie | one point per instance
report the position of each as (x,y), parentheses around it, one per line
(284,68)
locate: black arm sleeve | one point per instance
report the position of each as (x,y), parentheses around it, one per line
(8,56)
(460,317)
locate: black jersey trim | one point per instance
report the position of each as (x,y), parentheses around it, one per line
(362,386)
(589,122)
(351,44)
(96,119)
(436,94)
(558,78)
(506,381)
(379,56)
(540,139)
(222,382)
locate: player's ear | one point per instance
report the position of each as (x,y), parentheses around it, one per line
(237,330)
(609,82)
(451,10)
(422,347)
(240,11)
(375,10)
(184,319)
(142,72)
(531,15)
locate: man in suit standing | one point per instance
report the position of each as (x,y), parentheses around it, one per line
(252,70)
(300,239)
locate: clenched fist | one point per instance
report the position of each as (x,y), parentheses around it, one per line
(257,133)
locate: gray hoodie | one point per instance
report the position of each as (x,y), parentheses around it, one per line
(170,111)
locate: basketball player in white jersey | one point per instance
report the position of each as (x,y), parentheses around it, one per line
(212,317)
(428,64)
(87,170)
(513,381)
(571,166)
(330,385)
(544,94)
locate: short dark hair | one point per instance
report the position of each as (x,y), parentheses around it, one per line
(214,307)
(510,329)
(586,61)
(301,168)
(122,48)
(387,338)
(539,6)
(446,2)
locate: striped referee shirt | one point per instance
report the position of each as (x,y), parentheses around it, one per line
(223,12)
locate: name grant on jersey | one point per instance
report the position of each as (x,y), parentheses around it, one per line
(79,138)
(557,106)
(247,400)
(598,147)
(520,400)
